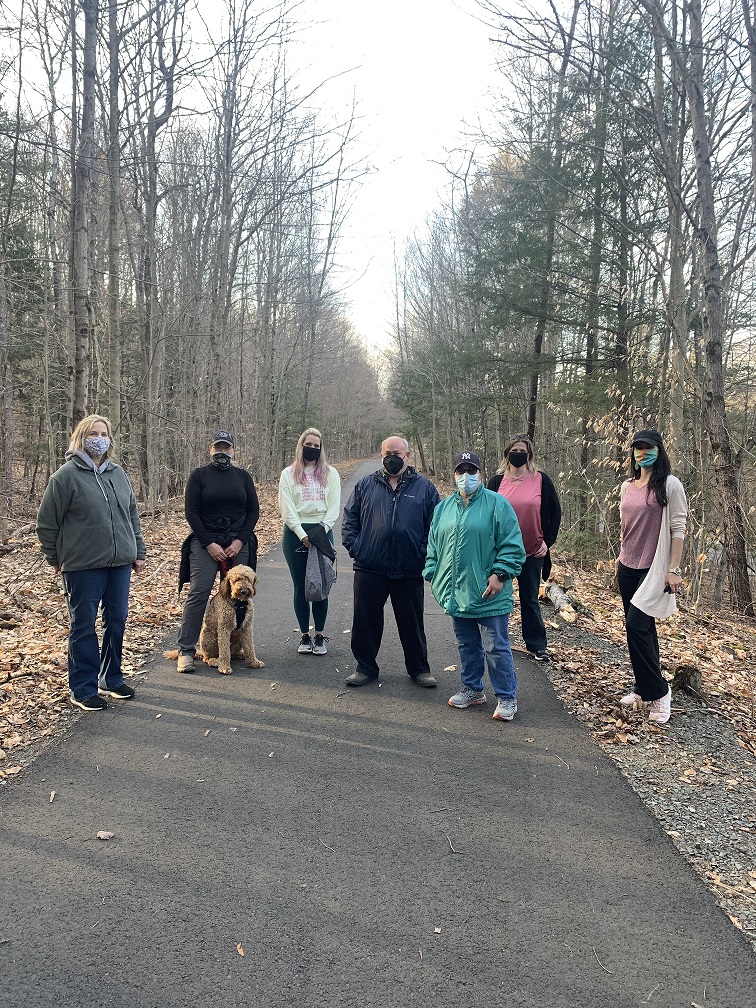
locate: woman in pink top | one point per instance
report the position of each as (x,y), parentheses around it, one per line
(536,504)
(653,516)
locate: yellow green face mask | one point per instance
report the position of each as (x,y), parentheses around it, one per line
(645,457)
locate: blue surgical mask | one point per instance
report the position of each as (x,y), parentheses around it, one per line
(467,483)
(650,456)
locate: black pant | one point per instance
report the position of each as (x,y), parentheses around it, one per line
(528,583)
(642,639)
(370,594)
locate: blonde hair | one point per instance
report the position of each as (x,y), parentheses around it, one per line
(509,444)
(83,429)
(321,466)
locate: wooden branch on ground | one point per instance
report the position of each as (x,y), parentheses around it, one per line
(564,605)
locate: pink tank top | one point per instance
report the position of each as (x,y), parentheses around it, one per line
(525,497)
(640,517)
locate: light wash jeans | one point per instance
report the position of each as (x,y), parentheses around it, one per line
(484,645)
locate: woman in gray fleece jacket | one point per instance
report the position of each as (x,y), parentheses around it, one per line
(88,526)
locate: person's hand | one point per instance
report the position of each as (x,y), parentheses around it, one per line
(56,568)
(306,542)
(216,552)
(139,566)
(231,551)
(542,550)
(673,582)
(493,588)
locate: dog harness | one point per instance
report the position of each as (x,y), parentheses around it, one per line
(240,607)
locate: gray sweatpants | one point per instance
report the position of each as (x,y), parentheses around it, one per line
(203,572)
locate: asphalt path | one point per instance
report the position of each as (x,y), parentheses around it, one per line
(361,847)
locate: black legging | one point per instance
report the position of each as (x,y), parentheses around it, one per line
(296,557)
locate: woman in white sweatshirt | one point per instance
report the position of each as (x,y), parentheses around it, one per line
(309,494)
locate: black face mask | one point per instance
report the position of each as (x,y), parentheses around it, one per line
(393,464)
(517,458)
(310,454)
(221,460)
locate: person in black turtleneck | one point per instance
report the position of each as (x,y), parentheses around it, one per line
(222,509)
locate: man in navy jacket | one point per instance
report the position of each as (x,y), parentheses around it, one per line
(385,530)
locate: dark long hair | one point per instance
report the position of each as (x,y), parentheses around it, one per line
(658,482)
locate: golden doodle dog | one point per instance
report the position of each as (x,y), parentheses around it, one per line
(227,627)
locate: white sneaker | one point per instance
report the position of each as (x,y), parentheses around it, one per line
(305,645)
(661,709)
(318,645)
(630,699)
(505,710)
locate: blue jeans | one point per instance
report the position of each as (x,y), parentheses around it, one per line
(484,645)
(528,582)
(88,664)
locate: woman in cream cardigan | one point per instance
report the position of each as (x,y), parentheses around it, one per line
(653,515)
(309,494)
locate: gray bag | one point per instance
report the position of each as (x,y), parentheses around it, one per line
(320,575)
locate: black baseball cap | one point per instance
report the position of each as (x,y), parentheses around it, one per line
(466,458)
(651,437)
(222,437)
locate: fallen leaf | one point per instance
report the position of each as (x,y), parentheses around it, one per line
(157,716)
(240,950)
(12,770)
(437,930)
(450,668)
(104,835)
(207,733)
(270,754)
(52,795)
(421,953)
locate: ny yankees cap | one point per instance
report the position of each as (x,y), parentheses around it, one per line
(466,458)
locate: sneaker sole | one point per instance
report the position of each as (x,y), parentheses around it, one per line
(315,651)
(114,696)
(464,706)
(500,717)
(88,710)
(307,650)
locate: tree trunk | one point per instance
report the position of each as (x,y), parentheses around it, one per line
(714,416)
(83,310)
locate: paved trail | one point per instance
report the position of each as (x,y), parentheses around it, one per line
(313,826)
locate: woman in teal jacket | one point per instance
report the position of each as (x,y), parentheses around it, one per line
(474,550)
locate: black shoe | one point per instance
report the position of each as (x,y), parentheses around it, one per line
(426,679)
(360,679)
(122,692)
(540,656)
(90,703)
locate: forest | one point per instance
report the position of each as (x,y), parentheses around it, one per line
(171,205)
(595,275)
(172,200)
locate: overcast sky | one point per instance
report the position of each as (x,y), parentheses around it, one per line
(419,70)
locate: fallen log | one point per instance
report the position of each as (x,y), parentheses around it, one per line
(561,601)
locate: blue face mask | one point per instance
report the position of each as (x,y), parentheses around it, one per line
(649,456)
(467,483)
